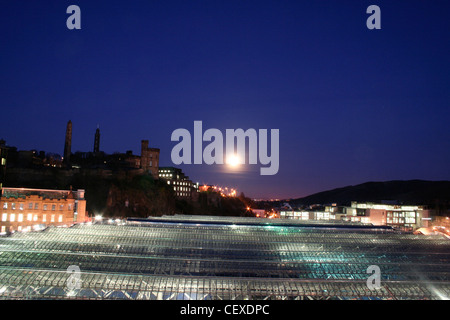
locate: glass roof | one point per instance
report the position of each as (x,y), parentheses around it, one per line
(195,257)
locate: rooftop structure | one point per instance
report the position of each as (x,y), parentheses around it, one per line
(196,257)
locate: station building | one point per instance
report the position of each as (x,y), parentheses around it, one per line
(25,209)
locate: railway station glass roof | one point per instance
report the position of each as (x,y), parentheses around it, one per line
(207,258)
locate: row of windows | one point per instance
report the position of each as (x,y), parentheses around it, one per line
(181,183)
(401,220)
(19,228)
(183,194)
(29,217)
(165,175)
(306,215)
(181,189)
(35,206)
(411,214)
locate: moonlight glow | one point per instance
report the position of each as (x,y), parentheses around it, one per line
(233,161)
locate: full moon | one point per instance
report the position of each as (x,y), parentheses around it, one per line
(233,161)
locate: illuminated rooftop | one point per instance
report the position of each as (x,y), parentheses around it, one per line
(197,257)
(8,192)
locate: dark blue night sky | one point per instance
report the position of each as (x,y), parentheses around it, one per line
(352,104)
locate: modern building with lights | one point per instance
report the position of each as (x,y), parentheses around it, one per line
(183,187)
(227,258)
(25,209)
(404,217)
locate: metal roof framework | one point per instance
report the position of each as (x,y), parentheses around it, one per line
(173,258)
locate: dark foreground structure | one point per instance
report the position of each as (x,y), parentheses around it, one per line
(190,257)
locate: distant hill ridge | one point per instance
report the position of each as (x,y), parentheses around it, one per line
(420,192)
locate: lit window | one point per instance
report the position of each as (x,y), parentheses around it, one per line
(29,216)
(35,218)
(52,218)
(20,217)
(60,218)
(12,217)
(4,217)
(44,218)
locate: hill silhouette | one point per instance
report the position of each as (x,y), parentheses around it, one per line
(431,193)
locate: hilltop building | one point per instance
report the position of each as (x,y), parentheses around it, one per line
(147,162)
(184,187)
(149,159)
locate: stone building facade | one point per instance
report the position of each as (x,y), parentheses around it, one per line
(149,159)
(24,209)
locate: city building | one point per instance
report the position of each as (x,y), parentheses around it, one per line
(307,215)
(23,209)
(404,217)
(184,188)
(95,160)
